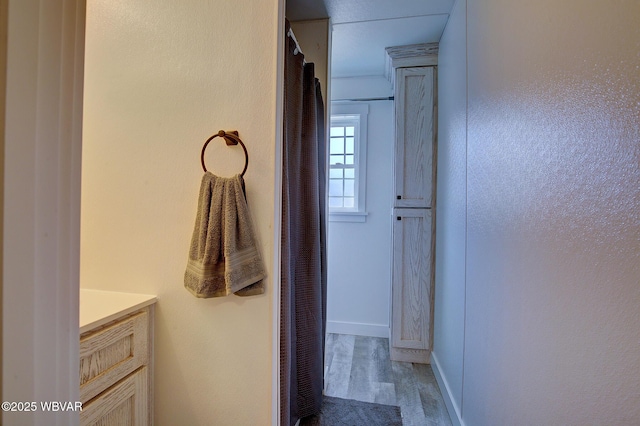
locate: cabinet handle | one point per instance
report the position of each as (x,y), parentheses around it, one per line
(399,197)
(399,218)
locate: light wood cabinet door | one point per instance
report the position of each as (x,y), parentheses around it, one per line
(112,352)
(414,141)
(124,404)
(116,362)
(411,298)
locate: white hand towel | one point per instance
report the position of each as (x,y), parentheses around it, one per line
(224,256)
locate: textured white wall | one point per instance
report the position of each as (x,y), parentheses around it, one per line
(361,87)
(553,213)
(451,206)
(359,254)
(161,77)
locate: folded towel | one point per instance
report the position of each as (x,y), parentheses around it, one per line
(224,256)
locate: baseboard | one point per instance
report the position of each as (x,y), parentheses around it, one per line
(452,407)
(358,329)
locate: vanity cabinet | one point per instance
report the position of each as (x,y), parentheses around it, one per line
(116,360)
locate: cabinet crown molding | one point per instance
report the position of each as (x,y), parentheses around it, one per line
(411,55)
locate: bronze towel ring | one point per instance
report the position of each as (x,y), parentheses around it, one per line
(231,138)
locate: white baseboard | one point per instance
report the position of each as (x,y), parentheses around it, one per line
(452,407)
(358,329)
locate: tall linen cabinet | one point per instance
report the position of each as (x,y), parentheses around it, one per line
(414,203)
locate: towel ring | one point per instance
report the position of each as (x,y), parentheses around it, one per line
(231,138)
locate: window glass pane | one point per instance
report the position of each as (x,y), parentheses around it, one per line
(335,187)
(350,146)
(337,146)
(335,202)
(343,176)
(337,159)
(335,173)
(349,202)
(349,187)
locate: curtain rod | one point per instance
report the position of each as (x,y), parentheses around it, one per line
(389,98)
(295,40)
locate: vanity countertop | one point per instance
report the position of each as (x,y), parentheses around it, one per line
(98,307)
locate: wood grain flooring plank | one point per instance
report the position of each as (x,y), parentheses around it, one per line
(329,343)
(385,393)
(359,368)
(433,404)
(338,377)
(361,383)
(382,360)
(407,394)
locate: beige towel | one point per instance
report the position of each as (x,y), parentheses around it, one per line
(224,256)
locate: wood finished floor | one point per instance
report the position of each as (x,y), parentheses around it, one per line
(358,367)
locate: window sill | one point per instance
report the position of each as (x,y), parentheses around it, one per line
(348,216)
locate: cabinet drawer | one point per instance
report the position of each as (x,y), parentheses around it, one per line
(125,404)
(111,353)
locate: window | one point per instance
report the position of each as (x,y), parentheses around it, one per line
(347,163)
(342,167)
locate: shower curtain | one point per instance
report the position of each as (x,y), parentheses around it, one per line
(303,257)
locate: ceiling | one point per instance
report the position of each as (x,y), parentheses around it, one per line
(363,28)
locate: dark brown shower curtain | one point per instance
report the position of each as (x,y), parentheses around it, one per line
(303,257)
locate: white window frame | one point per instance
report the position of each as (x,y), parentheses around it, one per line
(350,112)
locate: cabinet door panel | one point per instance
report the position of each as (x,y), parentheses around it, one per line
(112,352)
(414,137)
(124,404)
(411,304)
